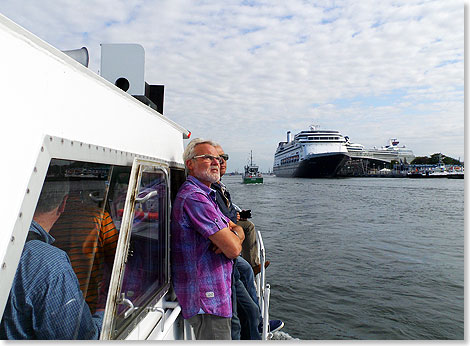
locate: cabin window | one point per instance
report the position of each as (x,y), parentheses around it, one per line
(113,224)
(146,270)
(70,292)
(85,230)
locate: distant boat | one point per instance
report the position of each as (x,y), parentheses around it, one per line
(252,174)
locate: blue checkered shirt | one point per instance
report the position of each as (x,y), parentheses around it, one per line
(45,300)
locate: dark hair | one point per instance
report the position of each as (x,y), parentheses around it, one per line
(52,195)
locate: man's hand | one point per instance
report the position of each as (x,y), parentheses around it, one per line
(216,249)
(239,230)
(227,242)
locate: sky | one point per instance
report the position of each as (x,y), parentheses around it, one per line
(243,73)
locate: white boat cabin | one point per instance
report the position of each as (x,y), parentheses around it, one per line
(122,162)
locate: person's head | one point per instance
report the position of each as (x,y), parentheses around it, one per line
(202,161)
(223,163)
(51,203)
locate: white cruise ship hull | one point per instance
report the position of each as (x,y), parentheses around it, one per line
(325,165)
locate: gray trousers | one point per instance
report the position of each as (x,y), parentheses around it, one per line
(211,327)
(249,245)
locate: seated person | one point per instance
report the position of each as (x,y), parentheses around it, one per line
(245,294)
(250,245)
(45,300)
(87,234)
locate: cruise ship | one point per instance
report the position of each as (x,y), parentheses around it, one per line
(387,153)
(311,154)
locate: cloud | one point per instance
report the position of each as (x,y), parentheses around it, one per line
(245,72)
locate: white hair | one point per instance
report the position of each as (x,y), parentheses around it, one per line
(189,153)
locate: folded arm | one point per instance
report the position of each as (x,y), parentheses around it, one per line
(229,240)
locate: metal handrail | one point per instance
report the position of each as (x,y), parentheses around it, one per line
(267,292)
(262,289)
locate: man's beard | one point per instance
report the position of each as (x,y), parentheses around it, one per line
(210,177)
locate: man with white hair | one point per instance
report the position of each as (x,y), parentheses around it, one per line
(203,244)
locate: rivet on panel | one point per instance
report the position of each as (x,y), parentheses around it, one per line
(21,214)
(27,190)
(4,265)
(12,238)
(42,148)
(35,170)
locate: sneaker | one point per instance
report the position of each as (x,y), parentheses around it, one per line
(274,326)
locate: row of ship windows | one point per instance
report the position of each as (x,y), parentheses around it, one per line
(323,138)
(294,158)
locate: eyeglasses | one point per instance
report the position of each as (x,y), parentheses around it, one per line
(224,156)
(209,158)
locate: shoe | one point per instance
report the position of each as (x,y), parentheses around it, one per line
(274,326)
(257,268)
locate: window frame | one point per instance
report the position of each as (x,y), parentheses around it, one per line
(115,287)
(54,147)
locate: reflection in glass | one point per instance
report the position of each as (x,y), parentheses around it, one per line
(85,230)
(146,270)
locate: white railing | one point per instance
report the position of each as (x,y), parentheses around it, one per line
(263,290)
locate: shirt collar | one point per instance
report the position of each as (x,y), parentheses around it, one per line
(35,227)
(196,181)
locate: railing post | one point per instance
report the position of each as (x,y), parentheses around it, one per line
(267,293)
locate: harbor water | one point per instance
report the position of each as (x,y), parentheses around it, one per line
(362,258)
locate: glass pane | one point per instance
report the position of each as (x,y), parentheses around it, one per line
(56,295)
(86,231)
(146,270)
(117,193)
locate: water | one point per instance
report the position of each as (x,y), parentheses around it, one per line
(362,258)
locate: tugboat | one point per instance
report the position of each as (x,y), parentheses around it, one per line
(252,174)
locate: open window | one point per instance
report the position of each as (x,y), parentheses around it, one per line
(141,273)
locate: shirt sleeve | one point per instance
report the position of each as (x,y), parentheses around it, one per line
(203,215)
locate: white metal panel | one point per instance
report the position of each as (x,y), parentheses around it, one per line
(124,61)
(44,92)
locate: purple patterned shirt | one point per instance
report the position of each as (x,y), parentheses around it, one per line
(201,278)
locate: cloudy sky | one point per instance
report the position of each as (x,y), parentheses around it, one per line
(243,73)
